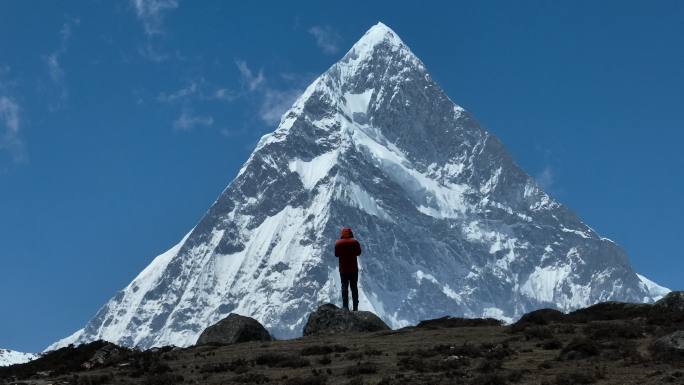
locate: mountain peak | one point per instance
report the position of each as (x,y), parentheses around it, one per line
(376,35)
(450,225)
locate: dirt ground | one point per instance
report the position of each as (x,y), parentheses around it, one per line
(616,351)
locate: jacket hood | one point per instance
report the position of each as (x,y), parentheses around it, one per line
(346,233)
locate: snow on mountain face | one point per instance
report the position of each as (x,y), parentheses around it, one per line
(449,223)
(655,291)
(11,357)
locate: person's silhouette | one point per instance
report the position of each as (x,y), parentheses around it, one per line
(347,249)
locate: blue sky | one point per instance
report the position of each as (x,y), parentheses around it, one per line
(121,122)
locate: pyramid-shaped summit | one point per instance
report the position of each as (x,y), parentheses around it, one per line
(449,223)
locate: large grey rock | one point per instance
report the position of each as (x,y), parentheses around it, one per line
(673,301)
(104,355)
(234,329)
(330,319)
(670,344)
(538,317)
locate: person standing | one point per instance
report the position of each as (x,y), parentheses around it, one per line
(346,250)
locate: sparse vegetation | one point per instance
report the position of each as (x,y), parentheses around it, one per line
(323,349)
(250,378)
(315,380)
(281,360)
(549,351)
(361,368)
(574,378)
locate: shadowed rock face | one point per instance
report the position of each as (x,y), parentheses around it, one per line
(330,319)
(234,329)
(539,317)
(457,322)
(671,344)
(673,301)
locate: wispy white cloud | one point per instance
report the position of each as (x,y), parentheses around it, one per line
(225,94)
(197,89)
(150,52)
(188,120)
(327,39)
(151,14)
(182,93)
(54,66)
(10,140)
(273,102)
(249,79)
(546,179)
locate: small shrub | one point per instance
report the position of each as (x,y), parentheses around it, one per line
(564,328)
(281,360)
(239,365)
(496,352)
(95,379)
(489,365)
(250,378)
(552,344)
(538,332)
(163,379)
(516,375)
(361,368)
(323,349)
(621,349)
(456,322)
(412,363)
(612,330)
(420,365)
(159,368)
(325,360)
(355,381)
(317,380)
(579,348)
(372,352)
(574,378)
(466,349)
(490,379)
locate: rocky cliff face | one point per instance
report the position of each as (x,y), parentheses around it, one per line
(449,223)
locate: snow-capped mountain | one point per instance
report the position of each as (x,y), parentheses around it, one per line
(11,357)
(448,222)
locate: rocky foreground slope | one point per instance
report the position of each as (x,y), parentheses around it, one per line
(608,343)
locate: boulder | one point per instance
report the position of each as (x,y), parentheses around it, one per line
(670,345)
(538,317)
(234,329)
(457,322)
(329,319)
(673,301)
(105,355)
(611,310)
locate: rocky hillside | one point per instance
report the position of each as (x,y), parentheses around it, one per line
(608,343)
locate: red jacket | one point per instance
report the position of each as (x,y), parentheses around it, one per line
(347,249)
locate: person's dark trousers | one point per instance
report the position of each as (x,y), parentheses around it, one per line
(350,279)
